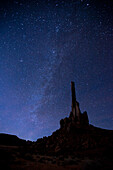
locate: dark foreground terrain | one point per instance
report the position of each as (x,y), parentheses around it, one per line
(89,148)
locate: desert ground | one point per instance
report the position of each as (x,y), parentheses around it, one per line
(18,157)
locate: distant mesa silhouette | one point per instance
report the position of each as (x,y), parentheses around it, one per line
(11,140)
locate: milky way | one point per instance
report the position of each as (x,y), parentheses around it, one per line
(44,45)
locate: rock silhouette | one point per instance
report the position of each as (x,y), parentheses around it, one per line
(10,140)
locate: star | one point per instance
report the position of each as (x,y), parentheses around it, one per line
(21,60)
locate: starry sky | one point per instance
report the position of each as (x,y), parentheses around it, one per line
(44,45)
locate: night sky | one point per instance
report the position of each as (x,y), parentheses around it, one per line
(44,45)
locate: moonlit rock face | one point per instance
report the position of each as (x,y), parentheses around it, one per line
(44,45)
(78,110)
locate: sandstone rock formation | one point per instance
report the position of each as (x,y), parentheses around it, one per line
(75,134)
(76,118)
